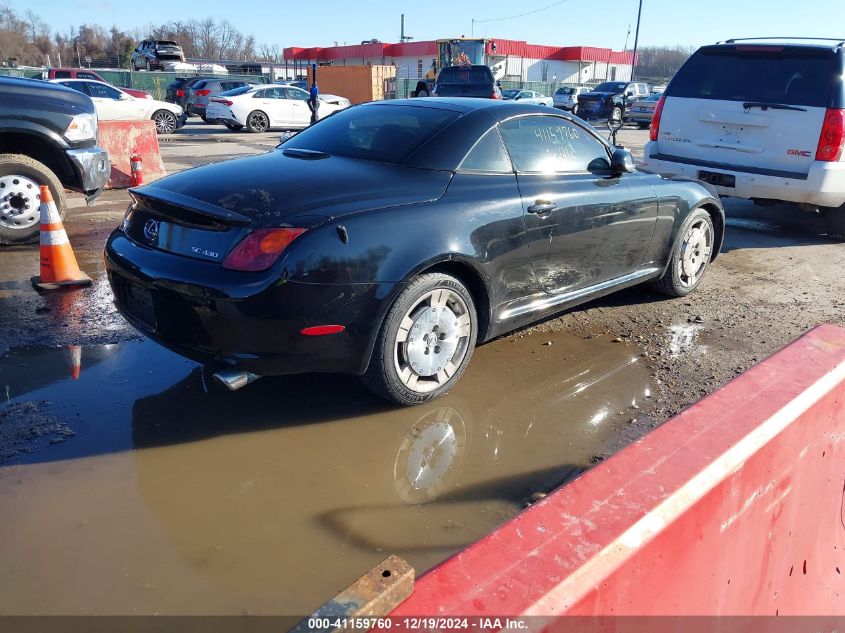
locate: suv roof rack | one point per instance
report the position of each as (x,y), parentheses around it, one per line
(839,40)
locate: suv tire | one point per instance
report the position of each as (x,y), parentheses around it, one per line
(834,220)
(39,174)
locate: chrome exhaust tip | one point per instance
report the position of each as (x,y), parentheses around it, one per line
(235,378)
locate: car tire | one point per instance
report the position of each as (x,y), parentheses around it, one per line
(690,256)
(30,175)
(643,126)
(165,122)
(574,110)
(834,220)
(257,122)
(425,342)
(204,118)
(235,127)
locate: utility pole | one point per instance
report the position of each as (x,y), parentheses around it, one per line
(402,37)
(636,42)
(627,35)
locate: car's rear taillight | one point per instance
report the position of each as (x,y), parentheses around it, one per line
(655,120)
(203,93)
(832,138)
(180,92)
(223,101)
(260,249)
(495,95)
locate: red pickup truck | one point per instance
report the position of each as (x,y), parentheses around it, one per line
(84,73)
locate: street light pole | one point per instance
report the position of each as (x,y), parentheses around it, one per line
(636,42)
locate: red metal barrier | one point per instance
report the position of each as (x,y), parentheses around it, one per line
(734,507)
(120,139)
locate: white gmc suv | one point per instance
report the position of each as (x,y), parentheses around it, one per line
(762,119)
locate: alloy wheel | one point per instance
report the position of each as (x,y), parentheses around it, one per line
(432,340)
(696,248)
(165,122)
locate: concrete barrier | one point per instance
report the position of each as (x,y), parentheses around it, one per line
(734,507)
(120,139)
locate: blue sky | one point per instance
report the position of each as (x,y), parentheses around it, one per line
(567,23)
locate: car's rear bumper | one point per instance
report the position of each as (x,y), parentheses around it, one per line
(250,320)
(823,185)
(639,117)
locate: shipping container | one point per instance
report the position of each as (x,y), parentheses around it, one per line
(356,83)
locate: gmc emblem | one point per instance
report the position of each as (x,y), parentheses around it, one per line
(798,152)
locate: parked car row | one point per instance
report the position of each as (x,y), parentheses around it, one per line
(113,104)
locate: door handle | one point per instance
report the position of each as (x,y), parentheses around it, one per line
(542,206)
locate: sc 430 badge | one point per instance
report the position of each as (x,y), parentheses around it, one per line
(202,251)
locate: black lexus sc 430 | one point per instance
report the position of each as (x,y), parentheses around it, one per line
(389,239)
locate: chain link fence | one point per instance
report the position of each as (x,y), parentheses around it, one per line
(153,82)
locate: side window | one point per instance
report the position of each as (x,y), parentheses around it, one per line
(79,86)
(83,75)
(62,74)
(259,94)
(102,91)
(550,144)
(296,93)
(488,156)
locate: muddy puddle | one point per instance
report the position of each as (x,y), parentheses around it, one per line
(150,490)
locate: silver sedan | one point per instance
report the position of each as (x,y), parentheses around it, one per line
(527,96)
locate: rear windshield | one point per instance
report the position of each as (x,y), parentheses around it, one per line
(565,91)
(610,86)
(465,75)
(234,92)
(166,43)
(767,74)
(385,134)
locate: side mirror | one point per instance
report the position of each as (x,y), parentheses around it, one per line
(621,161)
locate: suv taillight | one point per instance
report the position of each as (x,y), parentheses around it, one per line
(654,128)
(832,138)
(260,249)
(180,92)
(495,95)
(203,93)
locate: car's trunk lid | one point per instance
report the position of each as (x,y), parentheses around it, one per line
(202,213)
(756,106)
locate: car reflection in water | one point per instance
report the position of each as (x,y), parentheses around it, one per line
(317,476)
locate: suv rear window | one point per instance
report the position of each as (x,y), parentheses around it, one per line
(565,91)
(767,74)
(465,75)
(384,133)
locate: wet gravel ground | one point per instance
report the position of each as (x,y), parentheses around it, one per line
(778,276)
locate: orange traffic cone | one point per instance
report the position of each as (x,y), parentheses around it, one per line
(74,354)
(58,263)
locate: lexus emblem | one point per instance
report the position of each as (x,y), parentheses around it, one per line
(151,230)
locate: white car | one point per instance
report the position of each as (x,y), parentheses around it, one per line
(261,107)
(526,96)
(763,120)
(566,97)
(112,104)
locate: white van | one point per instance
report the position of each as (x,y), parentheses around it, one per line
(762,119)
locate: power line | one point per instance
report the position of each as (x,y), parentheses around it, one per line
(520,15)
